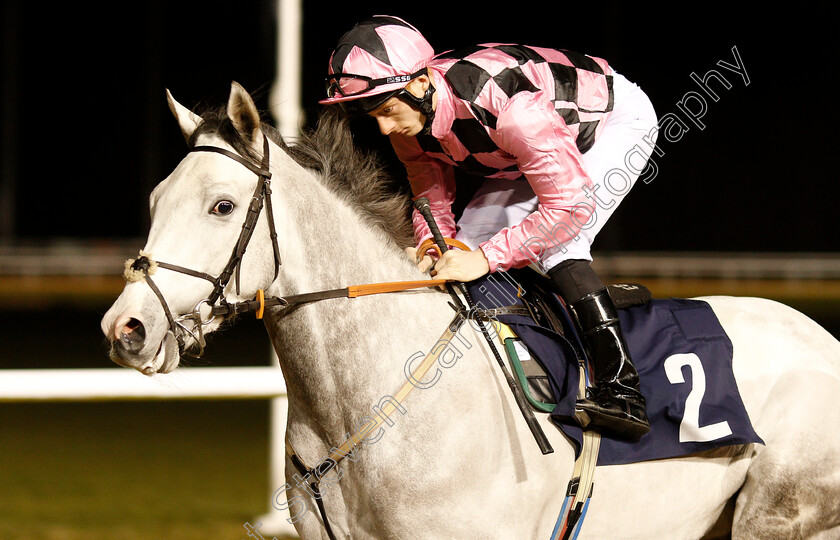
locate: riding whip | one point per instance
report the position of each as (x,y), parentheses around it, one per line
(422,206)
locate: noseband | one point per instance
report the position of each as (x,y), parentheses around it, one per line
(143,266)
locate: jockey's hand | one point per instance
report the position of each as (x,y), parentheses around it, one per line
(461,265)
(423,264)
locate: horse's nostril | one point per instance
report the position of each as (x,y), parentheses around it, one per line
(133,335)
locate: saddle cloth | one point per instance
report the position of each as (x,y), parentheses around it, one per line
(681,352)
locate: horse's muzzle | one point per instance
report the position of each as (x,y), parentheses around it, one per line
(129,348)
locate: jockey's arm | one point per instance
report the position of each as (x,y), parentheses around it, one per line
(546,153)
(429,178)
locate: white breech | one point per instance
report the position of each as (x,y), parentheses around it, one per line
(614,163)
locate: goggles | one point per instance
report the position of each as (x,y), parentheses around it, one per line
(349,85)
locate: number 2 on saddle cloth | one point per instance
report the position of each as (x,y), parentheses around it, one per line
(545,354)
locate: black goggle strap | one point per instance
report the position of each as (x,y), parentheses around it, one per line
(334,82)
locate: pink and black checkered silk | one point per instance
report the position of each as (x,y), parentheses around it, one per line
(513,112)
(486,77)
(381,47)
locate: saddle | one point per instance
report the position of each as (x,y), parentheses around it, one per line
(678,346)
(547,311)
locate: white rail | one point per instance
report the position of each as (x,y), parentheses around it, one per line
(22,385)
(109,384)
(115,384)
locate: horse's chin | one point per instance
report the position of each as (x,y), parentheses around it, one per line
(166,359)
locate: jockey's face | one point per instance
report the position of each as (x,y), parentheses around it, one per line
(395,116)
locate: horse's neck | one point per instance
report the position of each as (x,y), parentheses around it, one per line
(340,356)
(328,244)
(345,359)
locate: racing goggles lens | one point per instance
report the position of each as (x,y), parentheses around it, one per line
(349,85)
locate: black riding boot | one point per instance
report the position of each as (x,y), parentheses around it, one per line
(614,400)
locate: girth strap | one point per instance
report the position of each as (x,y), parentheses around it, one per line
(580,488)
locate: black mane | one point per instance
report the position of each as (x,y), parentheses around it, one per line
(355,176)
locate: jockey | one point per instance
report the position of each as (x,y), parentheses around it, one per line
(553,134)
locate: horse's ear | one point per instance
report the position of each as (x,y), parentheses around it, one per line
(187,119)
(243,113)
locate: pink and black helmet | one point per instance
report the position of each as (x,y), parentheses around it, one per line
(373,62)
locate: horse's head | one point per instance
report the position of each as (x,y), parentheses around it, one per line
(204,214)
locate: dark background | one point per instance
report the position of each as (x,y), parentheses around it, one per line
(87,134)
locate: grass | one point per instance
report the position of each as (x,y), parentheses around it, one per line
(132,470)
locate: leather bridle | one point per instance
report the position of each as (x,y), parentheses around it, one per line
(143,267)
(261,197)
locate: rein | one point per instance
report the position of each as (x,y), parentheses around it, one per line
(144,266)
(313,475)
(259,304)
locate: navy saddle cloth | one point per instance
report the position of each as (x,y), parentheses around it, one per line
(682,355)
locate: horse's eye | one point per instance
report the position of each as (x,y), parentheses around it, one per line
(222,208)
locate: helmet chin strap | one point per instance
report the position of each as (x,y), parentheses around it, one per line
(423,104)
